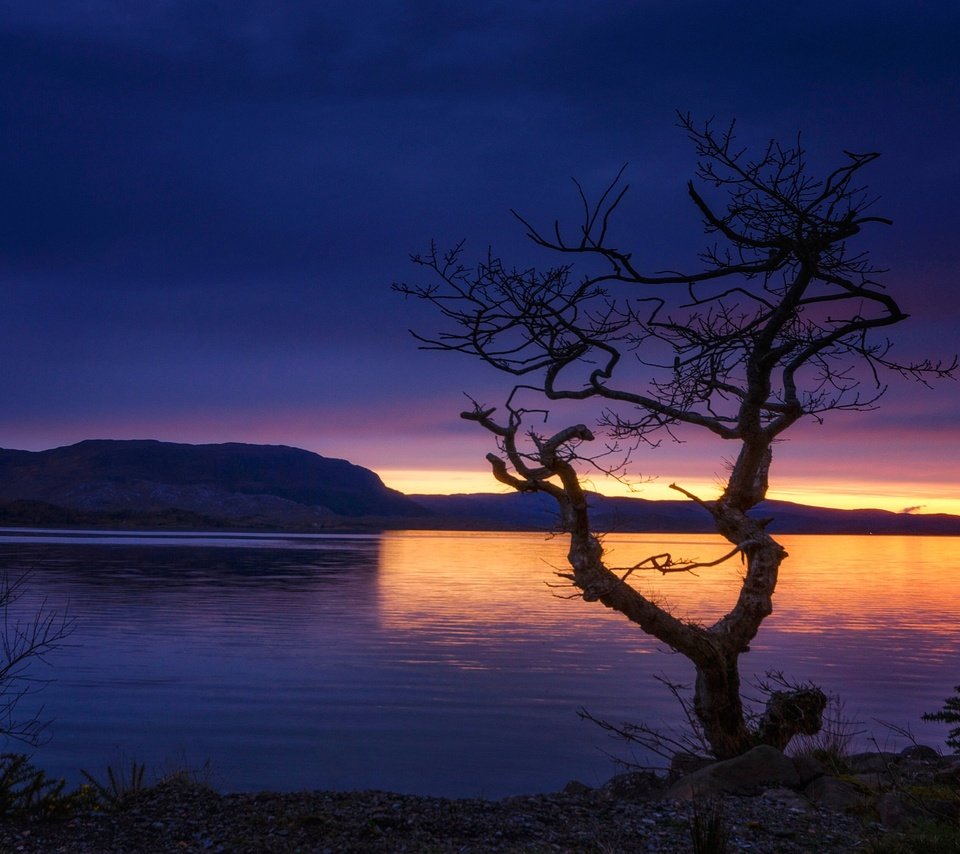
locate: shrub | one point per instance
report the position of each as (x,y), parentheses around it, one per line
(950,713)
(709,831)
(118,786)
(27,792)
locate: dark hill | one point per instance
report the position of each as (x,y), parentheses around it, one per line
(270,484)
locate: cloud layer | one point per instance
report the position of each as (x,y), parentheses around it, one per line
(205,204)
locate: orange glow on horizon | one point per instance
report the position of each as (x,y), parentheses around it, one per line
(895,496)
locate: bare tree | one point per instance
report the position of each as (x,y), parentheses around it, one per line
(26,640)
(777,322)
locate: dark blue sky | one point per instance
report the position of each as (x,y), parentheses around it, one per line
(204,204)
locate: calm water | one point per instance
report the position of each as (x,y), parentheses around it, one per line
(441,663)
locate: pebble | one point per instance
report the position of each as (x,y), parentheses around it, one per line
(182,817)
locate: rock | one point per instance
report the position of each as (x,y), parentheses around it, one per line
(683,763)
(874,781)
(919,751)
(787,799)
(762,766)
(575,787)
(893,811)
(867,763)
(635,786)
(897,809)
(809,768)
(949,774)
(835,794)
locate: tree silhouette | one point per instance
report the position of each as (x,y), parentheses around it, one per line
(777,321)
(950,714)
(25,640)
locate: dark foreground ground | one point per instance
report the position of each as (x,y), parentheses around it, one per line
(182,817)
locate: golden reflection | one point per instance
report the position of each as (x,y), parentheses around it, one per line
(479,579)
(428,577)
(864,583)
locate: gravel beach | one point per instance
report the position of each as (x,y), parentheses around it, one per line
(181,817)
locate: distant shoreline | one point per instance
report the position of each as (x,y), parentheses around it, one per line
(379,526)
(163,486)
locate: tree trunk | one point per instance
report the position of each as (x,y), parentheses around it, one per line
(717,703)
(715,650)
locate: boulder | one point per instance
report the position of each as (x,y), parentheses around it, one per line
(759,768)
(809,768)
(949,774)
(920,751)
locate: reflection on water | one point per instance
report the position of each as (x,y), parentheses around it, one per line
(441,663)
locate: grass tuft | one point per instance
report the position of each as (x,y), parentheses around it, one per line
(118,785)
(709,831)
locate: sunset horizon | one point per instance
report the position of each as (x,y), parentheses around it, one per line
(919,498)
(200,240)
(400,398)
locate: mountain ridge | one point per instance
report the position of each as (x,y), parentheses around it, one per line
(148,483)
(633,515)
(231,481)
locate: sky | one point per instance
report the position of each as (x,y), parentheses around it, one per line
(204,206)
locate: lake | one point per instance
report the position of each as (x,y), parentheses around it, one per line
(441,663)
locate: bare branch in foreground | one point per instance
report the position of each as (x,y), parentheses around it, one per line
(25,641)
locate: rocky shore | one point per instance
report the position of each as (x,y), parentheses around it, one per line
(766,802)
